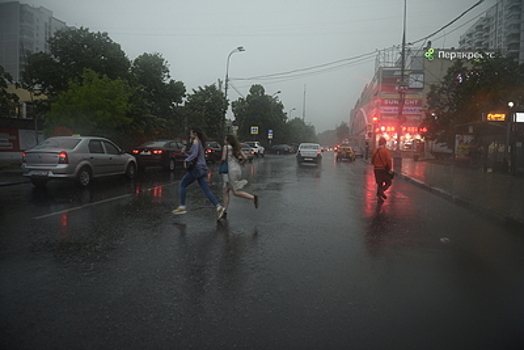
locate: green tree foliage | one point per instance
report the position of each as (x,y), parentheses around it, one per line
(71,51)
(206,108)
(298,131)
(469,91)
(156,99)
(8,101)
(264,111)
(92,105)
(151,73)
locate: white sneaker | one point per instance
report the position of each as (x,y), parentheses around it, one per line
(220,212)
(179,211)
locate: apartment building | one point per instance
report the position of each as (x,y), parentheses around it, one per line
(24,29)
(500,29)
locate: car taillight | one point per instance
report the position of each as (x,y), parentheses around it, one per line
(62,158)
(157,151)
(23,157)
(135,151)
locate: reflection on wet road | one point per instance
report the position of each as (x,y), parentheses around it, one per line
(319,265)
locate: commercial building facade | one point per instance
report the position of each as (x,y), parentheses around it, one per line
(376,112)
(394,109)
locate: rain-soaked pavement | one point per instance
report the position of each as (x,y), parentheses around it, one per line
(318,265)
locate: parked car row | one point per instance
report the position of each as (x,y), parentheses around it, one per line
(82,158)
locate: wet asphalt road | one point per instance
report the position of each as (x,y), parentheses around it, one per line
(318,266)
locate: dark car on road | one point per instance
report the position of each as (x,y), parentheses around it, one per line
(213,151)
(166,153)
(79,158)
(282,149)
(248,151)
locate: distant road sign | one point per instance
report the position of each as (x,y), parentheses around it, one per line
(254,130)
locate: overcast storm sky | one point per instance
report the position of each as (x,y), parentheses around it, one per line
(196,36)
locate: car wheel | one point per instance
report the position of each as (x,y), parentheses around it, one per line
(39,182)
(131,171)
(84,176)
(172,164)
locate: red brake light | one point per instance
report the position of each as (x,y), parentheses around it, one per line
(157,151)
(62,158)
(135,151)
(23,157)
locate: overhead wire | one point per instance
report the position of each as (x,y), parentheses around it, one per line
(351,61)
(313,70)
(450,23)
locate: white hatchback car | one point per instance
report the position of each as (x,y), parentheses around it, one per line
(309,152)
(258,149)
(79,158)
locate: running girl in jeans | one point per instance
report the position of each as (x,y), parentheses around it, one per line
(198,173)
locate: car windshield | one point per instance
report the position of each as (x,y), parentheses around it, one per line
(58,143)
(309,147)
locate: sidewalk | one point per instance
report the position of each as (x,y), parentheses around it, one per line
(11,175)
(497,196)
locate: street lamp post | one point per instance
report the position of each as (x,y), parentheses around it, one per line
(291,110)
(226,82)
(238,49)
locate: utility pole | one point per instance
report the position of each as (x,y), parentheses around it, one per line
(401,94)
(304,105)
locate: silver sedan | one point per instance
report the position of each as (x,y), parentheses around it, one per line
(79,158)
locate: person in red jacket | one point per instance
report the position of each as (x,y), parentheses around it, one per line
(383,163)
